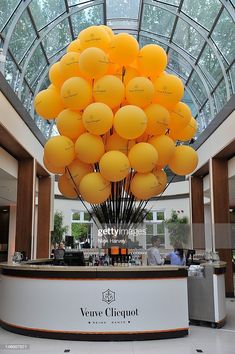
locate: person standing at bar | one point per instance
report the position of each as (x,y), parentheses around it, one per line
(154,257)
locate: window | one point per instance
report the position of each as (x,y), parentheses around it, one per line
(81,226)
(154,226)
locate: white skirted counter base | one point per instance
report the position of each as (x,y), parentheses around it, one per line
(94,303)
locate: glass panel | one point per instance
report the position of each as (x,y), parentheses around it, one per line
(160,229)
(87,17)
(210,65)
(149,216)
(57,38)
(123,24)
(202,11)
(7,8)
(87,216)
(147,40)
(76,2)
(11,71)
(76,216)
(188,100)
(188,38)
(22,36)
(36,63)
(220,95)
(45,11)
(224,35)
(232,75)
(122,8)
(196,85)
(25,95)
(160,215)
(157,20)
(178,64)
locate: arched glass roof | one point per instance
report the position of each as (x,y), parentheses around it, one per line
(198,36)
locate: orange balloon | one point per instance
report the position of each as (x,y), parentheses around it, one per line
(114,166)
(76,93)
(94,188)
(48,103)
(179,117)
(184,160)
(56,76)
(116,142)
(188,132)
(69,123)
(165,147)
(51,168)
(89,148)
(74,46)
(130,122)
(94,36)
(109,90)
(77,170)
(93,63)
(66,187)
(97,118)
(162,180)
(140,91)
(59,151)
(69,65)
(143,157)
(124,49)
(144,185)
(152,60)
(169,90)
(158,119)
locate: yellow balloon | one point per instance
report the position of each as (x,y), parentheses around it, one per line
(114,166)
(143,157)
(94,188)
(74,46)
(124,49)
(51,168)
(144,185)
(188,132)
(184,160)
(93,63)
(97,118)
(69,123)
(139,91)
(158,119)
(179,117)
(126,74)
(165,147)
(66,187)
(59,151)
(48,103)
(130,122)
(89,148)
(162,180)
(69,65)
(55,75)
(109,90)
(152,60)
(94,36)
(76,93)
(116,142)
(169,90)
(77,170)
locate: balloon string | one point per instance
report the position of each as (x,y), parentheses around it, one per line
(123,73)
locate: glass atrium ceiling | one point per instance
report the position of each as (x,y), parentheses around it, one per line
(198,35)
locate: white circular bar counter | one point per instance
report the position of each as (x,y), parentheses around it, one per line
(94,303)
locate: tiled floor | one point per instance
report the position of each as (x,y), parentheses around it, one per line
(200,340)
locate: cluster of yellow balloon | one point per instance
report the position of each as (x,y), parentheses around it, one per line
(117,111)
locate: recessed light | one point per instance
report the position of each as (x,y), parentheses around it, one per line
(4,210)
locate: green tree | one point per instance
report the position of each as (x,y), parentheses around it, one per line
(178,228)
(79,230)
(59,229)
